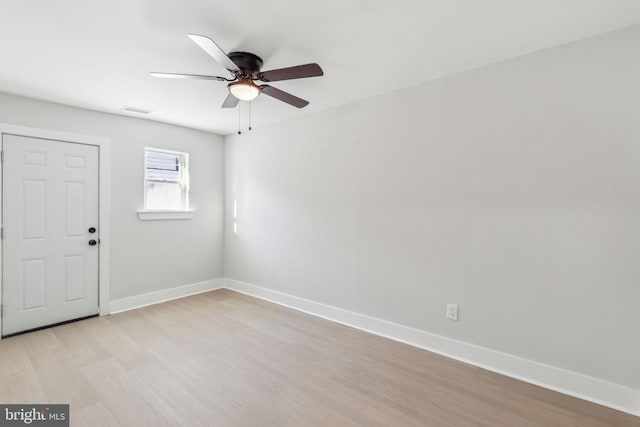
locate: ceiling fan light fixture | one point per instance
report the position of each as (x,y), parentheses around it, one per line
(244,90)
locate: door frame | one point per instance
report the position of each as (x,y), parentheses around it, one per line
(104,159)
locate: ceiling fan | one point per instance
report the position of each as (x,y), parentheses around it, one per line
(245,69)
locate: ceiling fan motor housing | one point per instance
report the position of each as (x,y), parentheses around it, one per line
(248,63)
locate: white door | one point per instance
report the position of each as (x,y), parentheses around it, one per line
(50,250)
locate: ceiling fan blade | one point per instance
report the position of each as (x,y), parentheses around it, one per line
(188,76)
(284,96)
(230,102)
(290,73)
(214,51)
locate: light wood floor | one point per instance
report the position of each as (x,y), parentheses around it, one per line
(225,359)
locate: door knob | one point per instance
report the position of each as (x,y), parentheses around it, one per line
(92,230)
(93,242)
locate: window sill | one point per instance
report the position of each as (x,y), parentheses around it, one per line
(163,215)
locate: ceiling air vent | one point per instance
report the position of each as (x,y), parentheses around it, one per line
(135,110)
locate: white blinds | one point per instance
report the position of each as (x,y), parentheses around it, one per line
(162,166)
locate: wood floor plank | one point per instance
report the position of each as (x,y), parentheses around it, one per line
(96,415)
(13,357)
(227,359)
(61,379)
(20,387)
(125,397)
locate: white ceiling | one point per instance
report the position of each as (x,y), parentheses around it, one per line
(97,53)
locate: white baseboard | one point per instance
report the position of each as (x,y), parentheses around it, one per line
(130,303)
(571,383)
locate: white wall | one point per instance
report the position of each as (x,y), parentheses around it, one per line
(512,190)
(151,255)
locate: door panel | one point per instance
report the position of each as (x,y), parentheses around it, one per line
(74,277)
(74,201)
(33,283)
(50,200)
(34,209)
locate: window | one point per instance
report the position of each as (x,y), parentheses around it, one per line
(166,180)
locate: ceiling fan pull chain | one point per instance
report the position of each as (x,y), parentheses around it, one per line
(239,131)
(249,115)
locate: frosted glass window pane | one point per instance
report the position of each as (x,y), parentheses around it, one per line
(164,195)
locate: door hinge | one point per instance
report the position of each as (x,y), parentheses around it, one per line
(2,156)
(1,232)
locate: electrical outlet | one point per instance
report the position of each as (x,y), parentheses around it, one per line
(452,312)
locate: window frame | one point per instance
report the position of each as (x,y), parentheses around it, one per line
(183,181)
